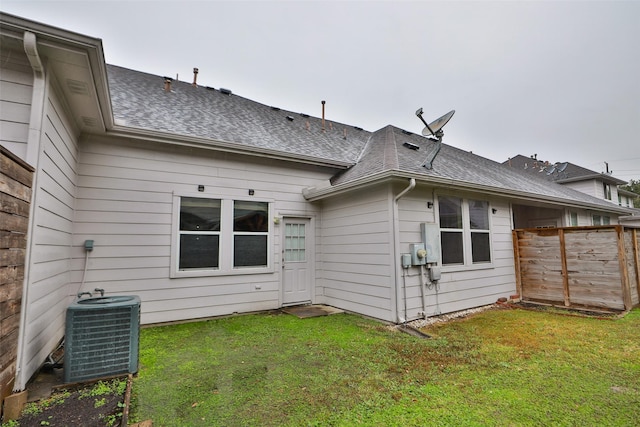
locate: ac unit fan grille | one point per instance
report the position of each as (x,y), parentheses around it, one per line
(101,341)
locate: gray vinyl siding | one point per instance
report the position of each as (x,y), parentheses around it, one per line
(125,204)
(459,288)
(16,86)
(591,187)
(50,252)
(357,243)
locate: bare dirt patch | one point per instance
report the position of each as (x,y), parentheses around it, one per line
(100,404)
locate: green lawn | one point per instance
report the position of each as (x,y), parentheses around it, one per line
(506,367)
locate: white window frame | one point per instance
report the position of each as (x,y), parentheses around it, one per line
(596,219)
(572,215)
(606,189)
(466,230)
(226,233)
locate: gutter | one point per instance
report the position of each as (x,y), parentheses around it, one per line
(34,151)
(604,177)
(314,193)
(217,145)
(400,293)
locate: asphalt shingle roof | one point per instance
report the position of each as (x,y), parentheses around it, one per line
(386,151)
(139,101)
(557,172)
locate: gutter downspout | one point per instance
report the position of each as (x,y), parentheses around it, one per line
(400,294)
(33,154)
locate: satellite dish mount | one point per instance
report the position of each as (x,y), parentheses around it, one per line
(433,131)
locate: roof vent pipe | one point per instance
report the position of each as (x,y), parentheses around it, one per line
(195,77)
(167,84)
(323,102)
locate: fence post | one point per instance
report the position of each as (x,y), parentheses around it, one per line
(516,256)
(624,274)
(565,272)
(636,257)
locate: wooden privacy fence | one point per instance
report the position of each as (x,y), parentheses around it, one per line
(15,196)
(579,267)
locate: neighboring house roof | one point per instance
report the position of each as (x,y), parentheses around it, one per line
(140,101)
(561,172)
(387,154)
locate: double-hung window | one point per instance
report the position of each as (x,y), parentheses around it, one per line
(220,236)
(465,233)
(574,219)
(606,188)
(250,233)
(199,246)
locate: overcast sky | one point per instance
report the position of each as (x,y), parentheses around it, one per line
(556,79)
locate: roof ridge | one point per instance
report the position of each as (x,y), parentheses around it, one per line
(390,154)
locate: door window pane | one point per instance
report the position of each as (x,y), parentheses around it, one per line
(295,244)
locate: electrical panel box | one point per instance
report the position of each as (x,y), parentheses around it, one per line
(431,238)
(418,254)
(406,260)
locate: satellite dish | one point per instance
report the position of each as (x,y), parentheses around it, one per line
(436,125)
(435,129)
(563,167)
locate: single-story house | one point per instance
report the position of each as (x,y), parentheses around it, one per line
(205,203)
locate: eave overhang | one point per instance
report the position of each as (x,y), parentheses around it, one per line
(219,145)
(319,193)
(78,63)
(601,176)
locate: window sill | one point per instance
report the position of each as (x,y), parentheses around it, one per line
(180,274)
(460,268)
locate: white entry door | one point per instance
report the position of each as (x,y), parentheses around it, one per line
(296,262)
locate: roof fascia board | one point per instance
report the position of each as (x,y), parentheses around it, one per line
(217,145)
(606,178)
(627,192)
(313,194)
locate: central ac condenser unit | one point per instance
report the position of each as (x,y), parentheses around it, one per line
(101,337)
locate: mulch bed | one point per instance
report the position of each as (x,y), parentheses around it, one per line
(73,407)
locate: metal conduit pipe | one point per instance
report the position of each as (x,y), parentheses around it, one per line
(400,293)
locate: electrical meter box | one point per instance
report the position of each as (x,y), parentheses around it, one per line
(435,274)
(431,238)
(418,254)
(406,260)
